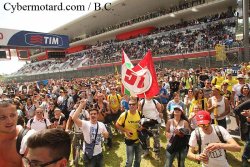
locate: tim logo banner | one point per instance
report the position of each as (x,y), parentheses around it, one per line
(32,39)
(43,39)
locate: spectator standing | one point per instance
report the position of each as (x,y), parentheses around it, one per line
(174,102)
(114,100)
(186,83)
(78,136)
(211,149)
(58,121)
(152,110)
(202,78)
(231,82)
(218,106)
(175,123)
(174,86)
(199,99)
(207,90)
(218,79)
(9,132)
(38,123)
(128,123)
(187,101)
(93,131)
(29,109)
(243,112)
(244,95)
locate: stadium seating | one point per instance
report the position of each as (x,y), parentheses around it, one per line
(186,37)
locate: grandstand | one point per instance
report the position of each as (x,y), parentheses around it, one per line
(177,31)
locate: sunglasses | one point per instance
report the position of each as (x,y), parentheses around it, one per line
(30,163)
(132,104)
(203,125)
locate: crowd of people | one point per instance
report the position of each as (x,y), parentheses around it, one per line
(194,107)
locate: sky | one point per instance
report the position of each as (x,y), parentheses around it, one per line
(38,21)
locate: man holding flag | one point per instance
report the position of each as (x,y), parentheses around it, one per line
(141,81)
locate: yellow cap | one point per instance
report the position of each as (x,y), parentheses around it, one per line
(216,87)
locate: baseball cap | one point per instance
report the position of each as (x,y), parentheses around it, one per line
(178,107)
(240,76)
(203,117)
(216,87)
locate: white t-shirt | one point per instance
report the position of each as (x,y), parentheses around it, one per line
(38,125)
(149,109)
(221,107)
(236,88)
(217,157)
(23,146)
(89,131)
(83,115)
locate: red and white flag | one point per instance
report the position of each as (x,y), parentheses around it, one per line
(140,80)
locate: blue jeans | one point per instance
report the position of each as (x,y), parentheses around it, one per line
(170,158)
(133,151)
(246,152)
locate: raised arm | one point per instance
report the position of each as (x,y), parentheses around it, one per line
(75,116)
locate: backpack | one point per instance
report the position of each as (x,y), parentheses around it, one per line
(20,136)
(32,119)
(198,137)
(126,115)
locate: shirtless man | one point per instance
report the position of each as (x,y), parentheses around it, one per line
(9,130)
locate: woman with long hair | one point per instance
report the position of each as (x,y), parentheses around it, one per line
(199,99)
(244,94)
(29,109)
(176,122)
(187,101)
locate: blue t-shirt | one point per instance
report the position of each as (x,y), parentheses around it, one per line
(163,91)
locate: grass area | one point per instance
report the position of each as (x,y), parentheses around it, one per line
(116,157)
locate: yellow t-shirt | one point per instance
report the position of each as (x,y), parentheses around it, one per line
(114,101)
(131,123)
(218,80)
(187,81)
(231,83)
(198,102)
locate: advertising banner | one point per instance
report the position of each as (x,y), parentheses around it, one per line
(18,38)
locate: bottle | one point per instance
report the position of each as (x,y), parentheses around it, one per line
(206,153)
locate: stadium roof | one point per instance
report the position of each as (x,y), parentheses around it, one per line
(123,10)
